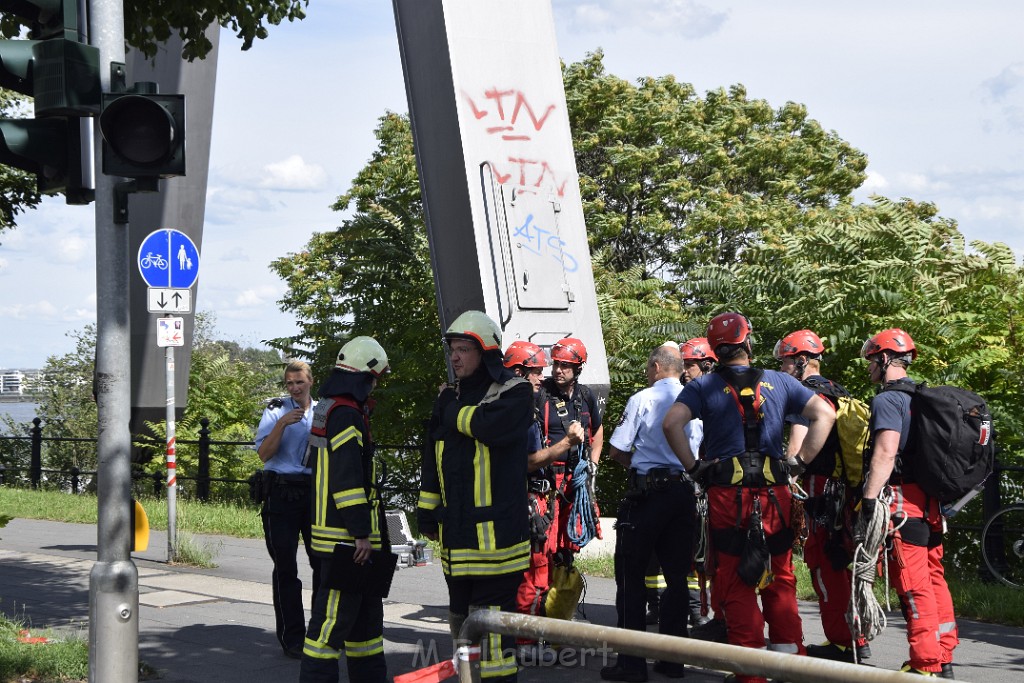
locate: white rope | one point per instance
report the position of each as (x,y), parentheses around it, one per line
(865,616)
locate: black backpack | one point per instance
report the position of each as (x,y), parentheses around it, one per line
(950,449)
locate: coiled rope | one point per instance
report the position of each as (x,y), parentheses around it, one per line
(582,524)
(865,616)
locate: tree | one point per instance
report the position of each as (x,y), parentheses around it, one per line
(372,276)
(17,188)
(67,409)
(673,181)
(230,393)
(147,23)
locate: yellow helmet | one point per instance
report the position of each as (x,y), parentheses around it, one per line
(363,354)
(477,326)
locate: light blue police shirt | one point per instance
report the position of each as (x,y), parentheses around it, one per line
(640,430)
(288,459)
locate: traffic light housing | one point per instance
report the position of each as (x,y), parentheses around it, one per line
(143,133)
(61,73)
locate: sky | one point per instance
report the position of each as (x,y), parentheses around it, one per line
(931,90)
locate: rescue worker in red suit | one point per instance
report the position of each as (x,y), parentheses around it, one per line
(746,476)
(346,509)
(563,401)
(527,360)
(828,508)
(473,496)
(915,556)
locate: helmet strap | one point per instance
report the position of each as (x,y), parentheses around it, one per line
(800,363)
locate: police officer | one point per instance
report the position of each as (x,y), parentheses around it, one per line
(746,477)
(346,509)
(915,557)
(281,440)
(473,483)
(657,515)
(827,550)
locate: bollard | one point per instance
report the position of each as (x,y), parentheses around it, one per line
(203,480)
(36,465)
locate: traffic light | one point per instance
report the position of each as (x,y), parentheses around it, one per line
(143,133)
(61,73)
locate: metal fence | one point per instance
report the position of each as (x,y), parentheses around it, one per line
(204,477)
(1005,487)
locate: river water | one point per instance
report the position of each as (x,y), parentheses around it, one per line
(19,412)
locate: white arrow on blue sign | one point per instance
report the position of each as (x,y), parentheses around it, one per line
(169,259)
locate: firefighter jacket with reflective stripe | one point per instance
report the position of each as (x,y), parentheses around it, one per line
(473,480)
(346,505)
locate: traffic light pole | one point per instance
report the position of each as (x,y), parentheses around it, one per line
(114,579)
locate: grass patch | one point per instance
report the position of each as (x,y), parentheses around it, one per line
(973,599)
(194,553)
(63,657)
(601,566)
(192,516)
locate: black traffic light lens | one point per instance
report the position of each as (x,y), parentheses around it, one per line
(139,130)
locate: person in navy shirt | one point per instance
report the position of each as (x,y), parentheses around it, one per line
(915,556)
(747,478)
(281,441)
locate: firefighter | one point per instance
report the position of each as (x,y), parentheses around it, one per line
(528,360)
(915,556)
(828,548)
(657,515)
(473,483)
(564,401)
(346,509)
(746,476)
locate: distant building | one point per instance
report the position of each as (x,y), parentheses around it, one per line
(18,382)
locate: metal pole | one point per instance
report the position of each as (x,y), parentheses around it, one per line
(114,579)
(604,640)
(172,481)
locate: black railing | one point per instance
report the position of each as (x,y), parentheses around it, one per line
(203,478)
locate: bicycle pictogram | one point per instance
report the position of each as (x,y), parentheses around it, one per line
(151,260)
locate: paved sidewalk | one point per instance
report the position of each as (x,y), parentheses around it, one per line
(218,624)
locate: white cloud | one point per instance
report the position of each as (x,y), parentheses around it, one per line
(258,296)
(685,18)
(71,249)
(875,182)
(1007,80)
(293,174)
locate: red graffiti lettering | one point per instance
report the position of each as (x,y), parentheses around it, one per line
(519,105)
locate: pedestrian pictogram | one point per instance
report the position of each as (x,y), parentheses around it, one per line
(169,259)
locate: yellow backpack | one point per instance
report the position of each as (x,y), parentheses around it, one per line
(842,456)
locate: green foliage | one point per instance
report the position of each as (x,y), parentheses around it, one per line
(67,408)
(147,23)
(372,276)
(228,386)
(887,264)
(65,655)
(17,188)
(672,181)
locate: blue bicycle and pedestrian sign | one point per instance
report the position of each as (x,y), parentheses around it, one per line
(169,259)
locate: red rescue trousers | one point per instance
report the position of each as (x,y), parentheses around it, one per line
(537,579)
(831,583)
(743,615)
(916,573)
